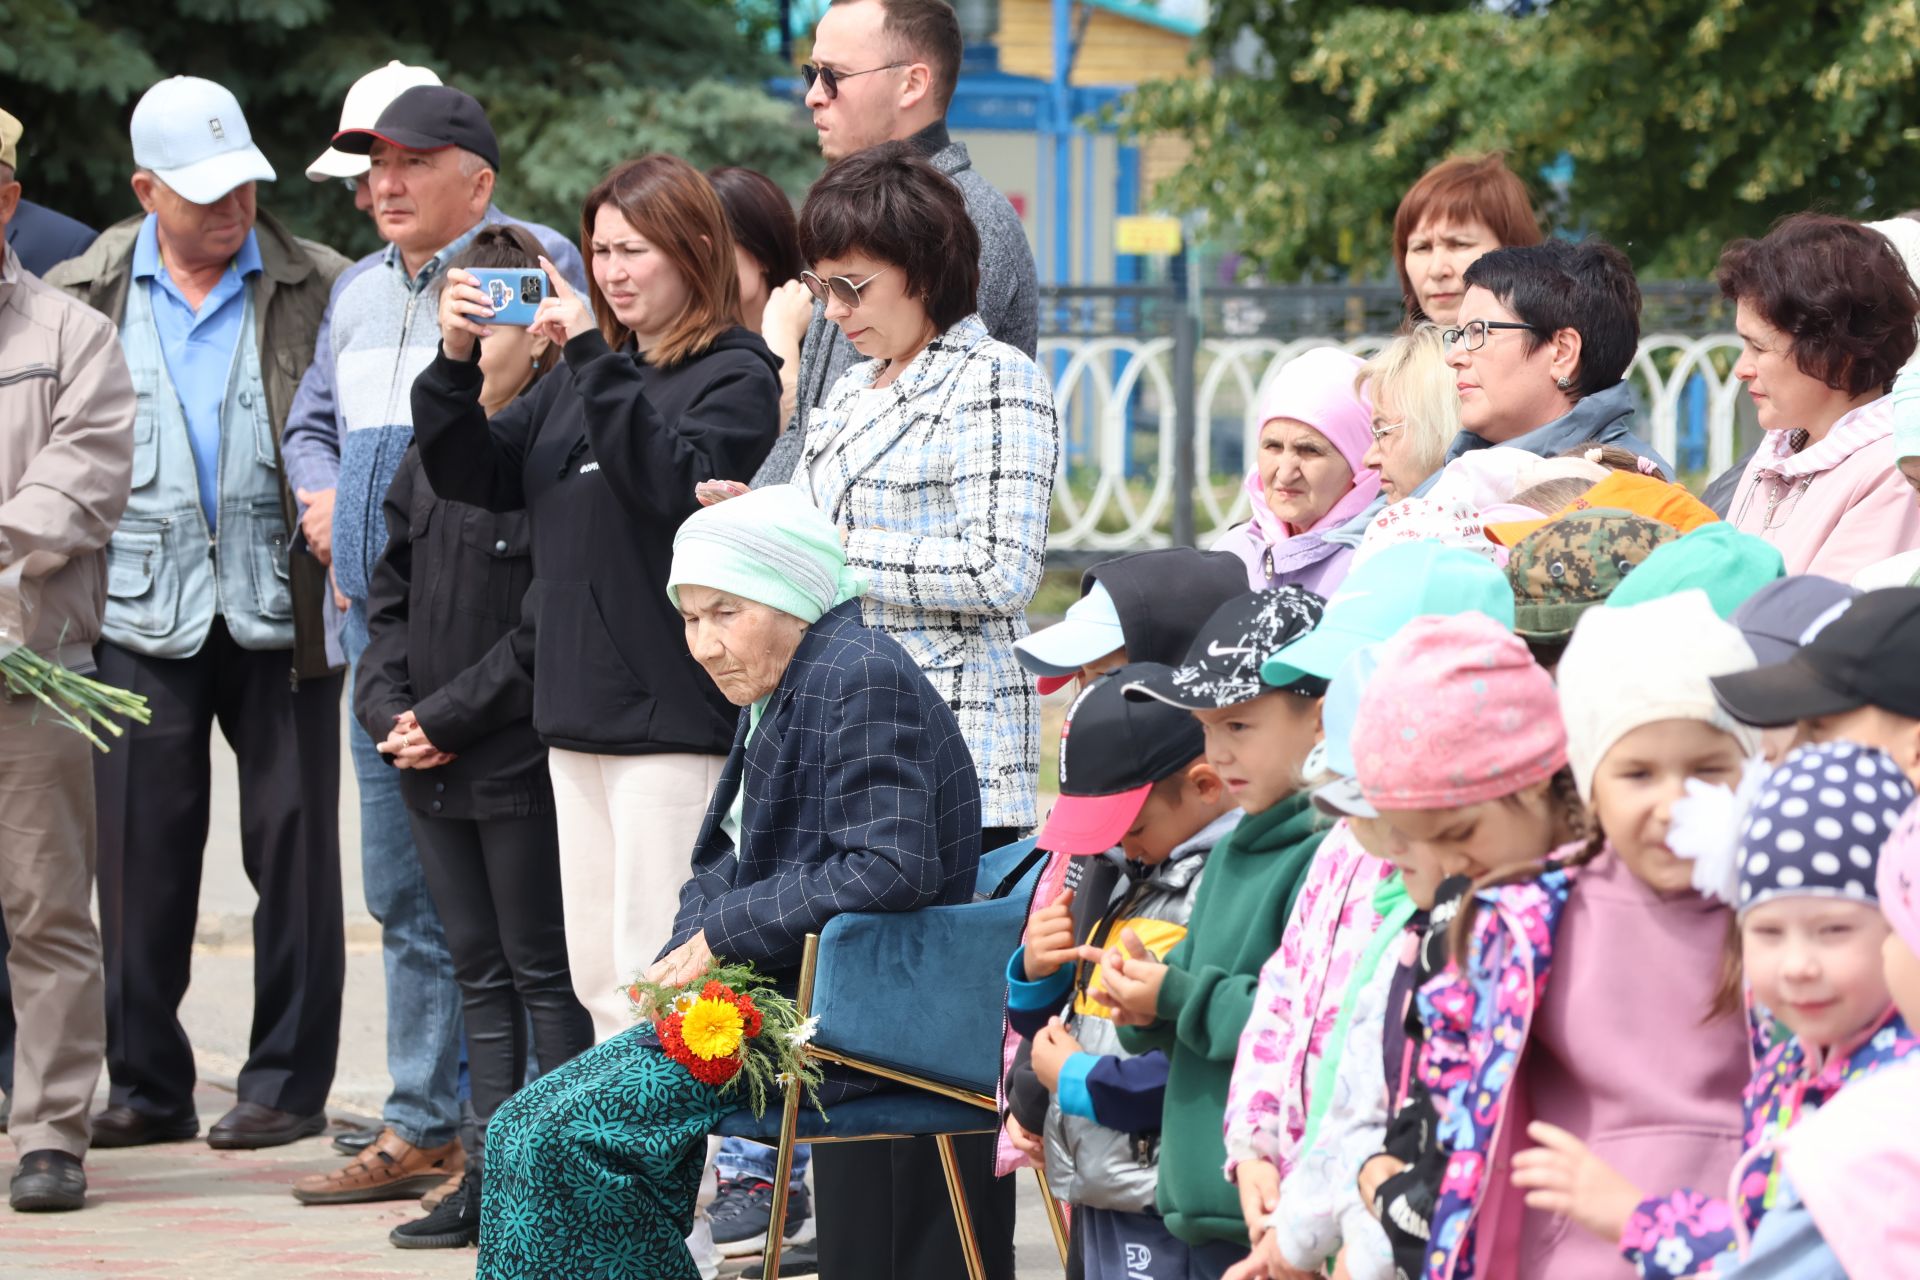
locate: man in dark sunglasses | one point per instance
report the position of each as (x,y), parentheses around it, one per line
(884,71)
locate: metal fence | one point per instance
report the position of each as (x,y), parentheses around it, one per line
(1157,393)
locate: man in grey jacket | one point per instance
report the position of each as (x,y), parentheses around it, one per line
(66,452)
(885,71)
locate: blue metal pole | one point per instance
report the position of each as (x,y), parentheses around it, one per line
(1061,125)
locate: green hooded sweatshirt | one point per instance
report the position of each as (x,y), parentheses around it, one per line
(1245,899)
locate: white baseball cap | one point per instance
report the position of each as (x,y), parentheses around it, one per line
(191,134)
(367,98)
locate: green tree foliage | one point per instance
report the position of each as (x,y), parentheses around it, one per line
(571,88)
(1689,122)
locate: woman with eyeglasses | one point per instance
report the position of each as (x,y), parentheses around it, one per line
(1309,476)
(1416,411)
(665,391)
(936,453)
(1545,338)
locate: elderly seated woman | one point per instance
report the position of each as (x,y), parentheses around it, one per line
(849,788)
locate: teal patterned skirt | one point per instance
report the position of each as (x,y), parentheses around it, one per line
(592,1170)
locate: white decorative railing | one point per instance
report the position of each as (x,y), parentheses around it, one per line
(1097,380)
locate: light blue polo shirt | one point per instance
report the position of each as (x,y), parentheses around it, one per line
(198,347)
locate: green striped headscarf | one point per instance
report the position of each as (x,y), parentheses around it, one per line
(771,546)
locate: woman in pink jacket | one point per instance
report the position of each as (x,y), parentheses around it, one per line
(1825,310)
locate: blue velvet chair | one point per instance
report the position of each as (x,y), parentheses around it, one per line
(859,975)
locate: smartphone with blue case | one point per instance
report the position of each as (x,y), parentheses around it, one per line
(513,292)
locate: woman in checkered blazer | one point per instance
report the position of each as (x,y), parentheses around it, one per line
(936,456)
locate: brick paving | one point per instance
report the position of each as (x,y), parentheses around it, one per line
(183,1211)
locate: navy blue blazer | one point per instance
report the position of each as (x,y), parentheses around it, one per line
(861,795)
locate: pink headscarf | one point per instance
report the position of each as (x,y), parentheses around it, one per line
(1316,387)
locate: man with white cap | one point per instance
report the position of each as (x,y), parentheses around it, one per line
(66,447)
(213,618)
(427,163)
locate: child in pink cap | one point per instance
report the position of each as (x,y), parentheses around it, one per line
(1458,746)
(1574,975)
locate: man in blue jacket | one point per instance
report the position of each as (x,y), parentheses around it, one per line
(430,164)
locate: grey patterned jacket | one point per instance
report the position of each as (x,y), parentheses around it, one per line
(1008,301)
(945,493)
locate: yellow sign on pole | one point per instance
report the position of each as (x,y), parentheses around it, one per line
(1159,236)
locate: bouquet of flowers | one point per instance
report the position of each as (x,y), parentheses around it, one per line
(75,699)
(730,1027)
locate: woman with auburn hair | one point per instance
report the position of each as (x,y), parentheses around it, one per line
(1825,310)
(668,390)
(1459,209)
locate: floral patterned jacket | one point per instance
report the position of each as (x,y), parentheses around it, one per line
(1684,1233)
(1478,1016)
(1296,1003)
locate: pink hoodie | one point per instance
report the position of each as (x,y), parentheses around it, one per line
(1623,1055)
(1836,506)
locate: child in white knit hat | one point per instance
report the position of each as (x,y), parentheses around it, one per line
(1635,954)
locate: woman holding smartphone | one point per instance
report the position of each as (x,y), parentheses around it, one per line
(666,391)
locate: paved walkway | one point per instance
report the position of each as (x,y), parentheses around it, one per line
(187,1212)
(184,1211)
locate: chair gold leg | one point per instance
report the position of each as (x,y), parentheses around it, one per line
(962,1214)
(789,1123)
(1055,1218)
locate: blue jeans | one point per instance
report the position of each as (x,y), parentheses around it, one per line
(740,1159)
(423,1000)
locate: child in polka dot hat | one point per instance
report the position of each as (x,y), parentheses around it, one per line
(1811,938)
(1852,1162)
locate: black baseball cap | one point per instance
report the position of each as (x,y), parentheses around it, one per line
(1112,750)
(1223,664)
(1868,655)
(427,117)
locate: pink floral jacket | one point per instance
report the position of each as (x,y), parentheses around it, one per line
(1297,1002)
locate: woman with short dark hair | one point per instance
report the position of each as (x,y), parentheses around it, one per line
(1545,338)
(936,455)
(1825,309)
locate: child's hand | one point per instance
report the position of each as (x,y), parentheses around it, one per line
(1027,1144)
(1132,979)
(1259,1183)
(1049,940)
(1562,1176)
(1251,1267)
(1051,1049)
(1373,1174)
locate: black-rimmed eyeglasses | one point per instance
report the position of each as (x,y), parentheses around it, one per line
(831,78)
(847,290)
(1472,335)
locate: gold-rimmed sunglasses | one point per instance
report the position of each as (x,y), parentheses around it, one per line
(841,287)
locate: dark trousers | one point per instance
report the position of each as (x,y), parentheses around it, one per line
(1138,1246)
(882,1207)
(153,792)
(496,885)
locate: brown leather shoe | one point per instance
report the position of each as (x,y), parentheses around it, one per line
(391,1169)
(433,1198)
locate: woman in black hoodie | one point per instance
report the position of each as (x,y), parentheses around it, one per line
(603,455)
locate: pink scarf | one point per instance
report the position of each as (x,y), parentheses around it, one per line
(1317,388)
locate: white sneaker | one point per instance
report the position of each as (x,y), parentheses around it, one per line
(700,1245)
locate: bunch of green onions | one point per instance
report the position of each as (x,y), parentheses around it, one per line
(81,702)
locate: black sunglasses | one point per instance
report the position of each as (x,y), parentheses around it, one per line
(848,291)
(831,78)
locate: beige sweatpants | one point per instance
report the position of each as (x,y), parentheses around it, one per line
(627,827)
(47,853)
